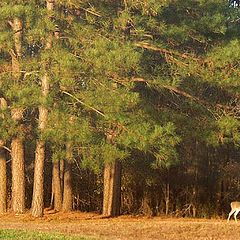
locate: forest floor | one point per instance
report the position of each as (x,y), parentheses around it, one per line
(124,227)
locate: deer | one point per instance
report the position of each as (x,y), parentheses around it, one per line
(235,209)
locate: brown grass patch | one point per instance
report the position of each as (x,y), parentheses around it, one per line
(124,227)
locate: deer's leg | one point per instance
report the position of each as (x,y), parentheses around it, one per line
(235,215)
(230,214)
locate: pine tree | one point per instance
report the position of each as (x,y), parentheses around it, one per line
(14,49)
(17,146)
(135,77)
(37,201)
(107,94)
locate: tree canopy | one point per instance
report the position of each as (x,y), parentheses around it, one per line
(152,84)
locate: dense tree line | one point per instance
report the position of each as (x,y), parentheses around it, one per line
(119,107)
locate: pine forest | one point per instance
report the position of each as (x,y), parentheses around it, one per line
(120,107)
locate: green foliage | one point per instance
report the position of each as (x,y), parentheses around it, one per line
(62,128)
(225,65)
(148,137)
(9,11)
(151,7)
(229,130)
(58,154)
(7,128)
(23,96)
(225,54)
(94,156)
(107,57)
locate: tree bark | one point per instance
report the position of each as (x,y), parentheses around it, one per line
(167,197)
(3,182)
(3,167)
(61,166)
(112,189)
(17,27)
(56,186)
(18,179)
(67,185)
(17,153)
(37,200)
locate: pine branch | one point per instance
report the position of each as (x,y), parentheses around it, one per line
(165,51)
(84,104)
(91,12)
(187,95)
(10,23)
(9,150)
(196,99)
(12,53)
(2,142)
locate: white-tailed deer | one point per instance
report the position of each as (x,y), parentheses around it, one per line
(235,209)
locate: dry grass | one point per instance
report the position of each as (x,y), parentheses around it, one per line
(125,227)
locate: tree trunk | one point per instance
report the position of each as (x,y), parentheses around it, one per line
(67,185)
(17,153)
(56,186)
(3,167)
(18,180)
(3,182)
(17,27)
(167,197)
(61,166)
(112,189)
(37,200)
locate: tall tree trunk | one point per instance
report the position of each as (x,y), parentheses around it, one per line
(17,153)
(112,189)
(67,185)
(167,197)
(3,182)
(61,166)
(18,179)
(3,168)
(16,54)
(37,200)
(56,186)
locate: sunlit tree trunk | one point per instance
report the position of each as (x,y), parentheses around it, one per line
(67,185)
(37,201)
(61,173)
(56,186)
(112,189)
(17,153)
(3,167)
(3,181)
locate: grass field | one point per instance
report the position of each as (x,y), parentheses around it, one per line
(91,226)
(26,235)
